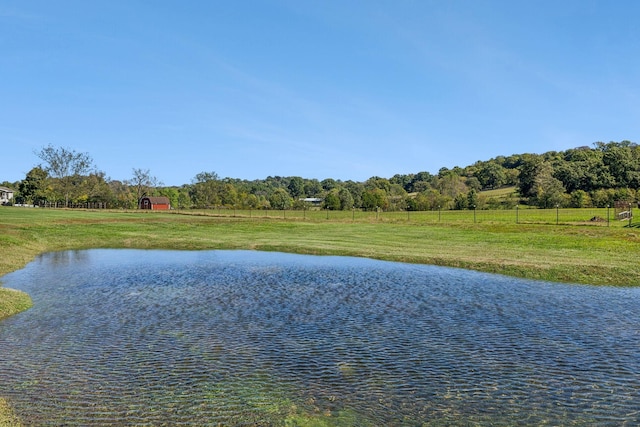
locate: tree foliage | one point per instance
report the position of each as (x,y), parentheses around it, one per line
(280,199)
(143,183)
(547,191)
(34,187)
(67,167)
(581,177)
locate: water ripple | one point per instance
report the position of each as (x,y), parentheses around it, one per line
(246,338)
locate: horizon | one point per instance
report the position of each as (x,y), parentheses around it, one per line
(161,184)
(319,89)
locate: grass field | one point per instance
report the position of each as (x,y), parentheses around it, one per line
(520,215)
(563,245)
(517,215)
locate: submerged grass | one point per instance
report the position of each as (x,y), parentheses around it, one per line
(7,417)
(578,253)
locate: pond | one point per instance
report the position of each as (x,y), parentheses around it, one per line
(256,338)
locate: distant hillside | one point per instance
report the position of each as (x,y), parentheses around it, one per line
(579,177)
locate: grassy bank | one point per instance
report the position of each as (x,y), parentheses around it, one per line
(12,302)
(594,254)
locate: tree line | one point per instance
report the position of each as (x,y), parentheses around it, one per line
(586,176)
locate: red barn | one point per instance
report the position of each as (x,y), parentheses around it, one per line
(155,203)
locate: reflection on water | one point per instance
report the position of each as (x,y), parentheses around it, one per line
(63,258)
(249,338)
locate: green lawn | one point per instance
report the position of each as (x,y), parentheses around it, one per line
(519,215)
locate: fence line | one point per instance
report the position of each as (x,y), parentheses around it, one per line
(558,216)
(517,215)
(86,205)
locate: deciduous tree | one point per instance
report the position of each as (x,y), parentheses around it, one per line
(296,187)
(33,187)
(143,183)
(332,200)
(375,198)
(280,199)
(66,166)
(491,175)
(548,191)
(346,199)
(205,190)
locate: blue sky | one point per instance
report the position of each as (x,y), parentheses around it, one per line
(319,89)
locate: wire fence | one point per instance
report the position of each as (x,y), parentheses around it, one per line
(606,217)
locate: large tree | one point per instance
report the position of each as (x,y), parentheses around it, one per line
(332,200)
(374,199)
(312,188)
(34,186)
(547,190)
(66,166)
(451,184)
(491,175)
(95,188)
(346,199)
(528,170)
(143,183)
(623,163)
(122,195)
(205,191)
(296,187)
(280,199)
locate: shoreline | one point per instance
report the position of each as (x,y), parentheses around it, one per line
(569,253)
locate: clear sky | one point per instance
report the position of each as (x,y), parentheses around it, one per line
(343,89)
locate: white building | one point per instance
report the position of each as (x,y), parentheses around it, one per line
(6,195)
(313,201)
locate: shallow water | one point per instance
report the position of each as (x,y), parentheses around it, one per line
(252,338)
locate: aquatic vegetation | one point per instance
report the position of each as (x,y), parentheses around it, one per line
(7,416)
